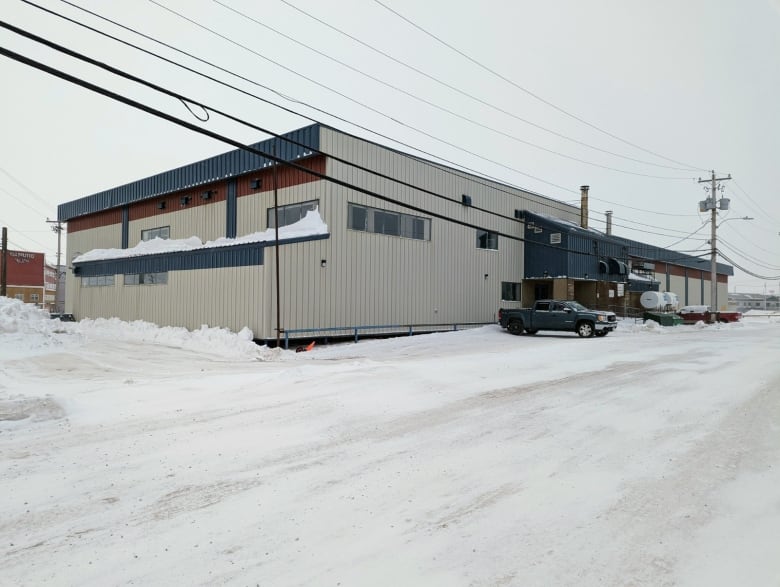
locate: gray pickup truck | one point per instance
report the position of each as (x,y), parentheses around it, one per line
(567,316)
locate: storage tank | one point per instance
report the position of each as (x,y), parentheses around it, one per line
(652,300)
(671,300)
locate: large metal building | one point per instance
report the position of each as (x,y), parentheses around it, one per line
(411,245)
(435,248)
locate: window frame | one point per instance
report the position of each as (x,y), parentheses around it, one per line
(155,278)
(516,291)
(307,206)
(149,233)
(490,237)
(361,218)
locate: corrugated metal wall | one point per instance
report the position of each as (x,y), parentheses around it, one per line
(218,168)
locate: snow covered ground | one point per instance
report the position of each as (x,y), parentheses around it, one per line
(134,455)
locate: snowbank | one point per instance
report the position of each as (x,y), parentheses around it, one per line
(312,224)
(27,329)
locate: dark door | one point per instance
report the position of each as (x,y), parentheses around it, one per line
(541,291)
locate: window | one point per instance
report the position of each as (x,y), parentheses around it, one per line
(379,221)
(160,278)
(97,280)
(33,297)
(19,297)
(510,291)
(291,214)
(386,223)
(487,240)
(160,232)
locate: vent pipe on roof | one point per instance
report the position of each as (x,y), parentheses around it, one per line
(609,222)
(584,206)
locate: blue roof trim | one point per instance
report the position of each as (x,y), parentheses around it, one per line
(610,246)
(212,258)
(218,168)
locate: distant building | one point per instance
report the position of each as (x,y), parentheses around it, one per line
(30,279)
(744,302)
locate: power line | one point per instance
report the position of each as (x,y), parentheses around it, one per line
(748,271)
(748,257)
(22,202)
(688,236)
(530,93)
(201,74)
(291,99)
(387,116)
(451,87)
(170,118)
(747,195)
(186,99)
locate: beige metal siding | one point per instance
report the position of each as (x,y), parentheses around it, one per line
(205,222)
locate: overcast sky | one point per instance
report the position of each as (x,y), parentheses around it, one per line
(636,99)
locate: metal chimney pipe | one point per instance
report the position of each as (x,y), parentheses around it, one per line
(609,222)
(584,206)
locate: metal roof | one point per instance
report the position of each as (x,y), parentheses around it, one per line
(221,167)
(635,249)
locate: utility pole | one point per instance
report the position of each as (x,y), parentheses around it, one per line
(712,203)
(57,227)
(4,272)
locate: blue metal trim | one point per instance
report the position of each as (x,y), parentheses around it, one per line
(231,210)
(125,226)
(609,246)
(219,168)
(212,258)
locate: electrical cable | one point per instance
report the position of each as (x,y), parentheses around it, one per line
(451,112)
(297,101)
(688,236)
(533,95)
(216,136)
(24,187)
(183,98)
(747,195)
(393,118)
(751,273)
(437,165)
(748,257)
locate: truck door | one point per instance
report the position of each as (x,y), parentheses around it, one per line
(561,317)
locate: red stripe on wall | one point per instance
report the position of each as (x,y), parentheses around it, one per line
(286,177)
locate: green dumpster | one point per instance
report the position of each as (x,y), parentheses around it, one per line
(663,318)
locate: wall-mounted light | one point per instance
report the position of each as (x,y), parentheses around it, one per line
(256,184)
(486,275)
(324,263)
(586,276)
(161,205)
(466,200)
(184,200)
(207,194)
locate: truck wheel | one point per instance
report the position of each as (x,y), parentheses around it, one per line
(515,327)
(585,329)
(531,330)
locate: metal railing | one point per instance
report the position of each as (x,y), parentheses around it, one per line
(378,330)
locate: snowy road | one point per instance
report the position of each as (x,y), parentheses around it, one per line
(649,457)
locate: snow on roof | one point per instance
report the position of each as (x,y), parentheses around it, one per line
(311,224)
(636,277)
